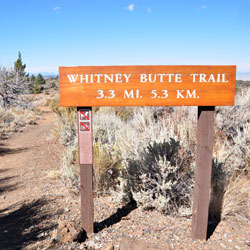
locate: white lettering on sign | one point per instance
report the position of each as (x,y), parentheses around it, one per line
(209,78)
(131,94)
(145,78)
(163,94)
(179,94)
(186,94)
(109,94)
(98,78)
(178,78)
(128,94)
(84,78)
(135,93)
(160,77)
(72,78)
(152,85)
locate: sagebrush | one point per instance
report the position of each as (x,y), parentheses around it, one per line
(148,154)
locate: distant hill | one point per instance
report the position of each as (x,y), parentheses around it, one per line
(243,76)
(46,75)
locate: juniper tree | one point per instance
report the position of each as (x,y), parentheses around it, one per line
(39,80)
(36,83)
(12,88)
(32,78)
(19,66)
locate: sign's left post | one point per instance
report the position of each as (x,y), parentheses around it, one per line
(85,144)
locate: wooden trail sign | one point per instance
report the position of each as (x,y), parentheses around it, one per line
(147,85)
(202,86)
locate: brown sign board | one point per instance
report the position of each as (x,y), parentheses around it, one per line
(147,85)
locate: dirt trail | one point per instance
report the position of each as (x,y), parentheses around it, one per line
(28,161)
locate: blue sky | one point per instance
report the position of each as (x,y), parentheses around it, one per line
(52,33)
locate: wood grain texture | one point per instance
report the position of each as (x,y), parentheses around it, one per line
(210,93)
(87,200)
(203,169)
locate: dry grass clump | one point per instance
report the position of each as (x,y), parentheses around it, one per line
(53,102)
(107,162)
(67,123)
(52,83)
(107,167)
(70,172)
(242,96)
(232,140)
(107,156)
(66,131)
(232,152)
(125,113)
(14,119)
(236,200)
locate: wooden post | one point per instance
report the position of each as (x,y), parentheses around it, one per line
(85,143)
(203,169)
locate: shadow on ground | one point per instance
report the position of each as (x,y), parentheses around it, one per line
(2,170)
(7,151)
(113,219)
(4,136)
(5,186)
(116,217)
(218,185)
(25,225)
(211,227)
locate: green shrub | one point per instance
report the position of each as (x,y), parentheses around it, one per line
(53,85)
(32,78)
(37,89)
(158,178)
(39,80)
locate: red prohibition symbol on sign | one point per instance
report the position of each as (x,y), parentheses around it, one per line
(85,120)
(84,115)
(85,126)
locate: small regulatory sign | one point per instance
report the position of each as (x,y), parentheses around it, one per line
(85,126)
(84,115)
(84,120)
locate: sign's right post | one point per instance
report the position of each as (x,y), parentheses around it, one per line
(203,170)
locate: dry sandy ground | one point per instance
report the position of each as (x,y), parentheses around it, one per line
(28,162)
(38,212)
